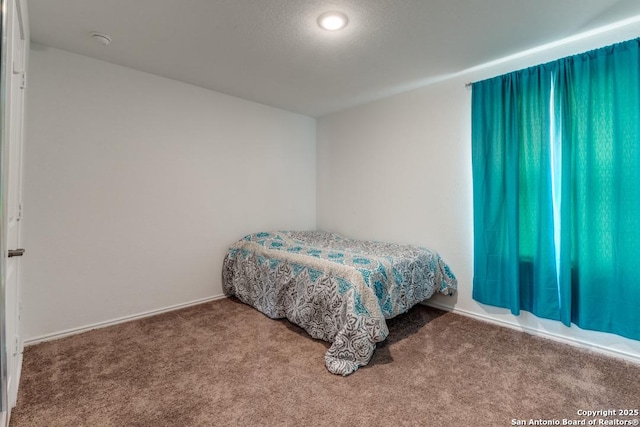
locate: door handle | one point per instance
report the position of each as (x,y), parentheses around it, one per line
(15,252)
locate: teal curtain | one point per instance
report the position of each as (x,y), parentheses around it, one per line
(513,212)
(601,136)
(556,188)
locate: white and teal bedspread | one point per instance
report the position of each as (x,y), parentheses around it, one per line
(338,289)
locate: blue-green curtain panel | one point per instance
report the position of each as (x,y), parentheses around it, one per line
(556,188)
(601,136)
(513,214)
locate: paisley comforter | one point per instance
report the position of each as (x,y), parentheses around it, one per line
(338,289)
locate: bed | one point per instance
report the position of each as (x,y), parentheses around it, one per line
(338,289)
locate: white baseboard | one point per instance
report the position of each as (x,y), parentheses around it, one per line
(81,329)
(522,328)
(576,342)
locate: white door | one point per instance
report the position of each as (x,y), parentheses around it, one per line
(11,196)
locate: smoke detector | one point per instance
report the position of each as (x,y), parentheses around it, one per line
(101,38)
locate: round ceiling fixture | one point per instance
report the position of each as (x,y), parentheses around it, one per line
(101,38)
(333,21)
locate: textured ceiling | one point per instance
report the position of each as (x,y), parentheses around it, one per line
(273,52)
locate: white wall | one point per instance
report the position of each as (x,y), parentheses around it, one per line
(399,170)
(135,185)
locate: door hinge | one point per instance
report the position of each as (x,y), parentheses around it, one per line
(19,212)
(23,75)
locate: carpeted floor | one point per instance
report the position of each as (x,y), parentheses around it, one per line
(225,364)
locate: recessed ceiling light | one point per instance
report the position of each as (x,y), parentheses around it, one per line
(333,21)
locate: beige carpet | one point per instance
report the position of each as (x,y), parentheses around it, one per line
(225,364)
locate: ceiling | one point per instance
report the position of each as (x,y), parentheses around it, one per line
(273,52)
